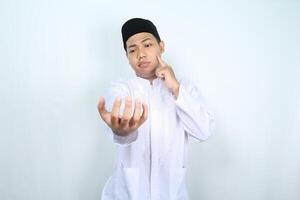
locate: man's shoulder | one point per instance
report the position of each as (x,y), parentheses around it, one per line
(185,81)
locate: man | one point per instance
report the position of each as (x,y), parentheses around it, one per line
(151,129)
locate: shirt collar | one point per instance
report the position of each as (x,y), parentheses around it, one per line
(146,82)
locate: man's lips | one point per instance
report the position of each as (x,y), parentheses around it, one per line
(143,64)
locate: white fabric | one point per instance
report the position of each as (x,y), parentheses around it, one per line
(151,161)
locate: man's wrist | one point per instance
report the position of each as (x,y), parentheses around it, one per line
(175,90)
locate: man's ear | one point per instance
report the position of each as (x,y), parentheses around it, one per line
(162,46)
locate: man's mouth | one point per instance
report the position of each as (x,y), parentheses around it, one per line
(143,64)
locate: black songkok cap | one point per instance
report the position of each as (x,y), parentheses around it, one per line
(138,25)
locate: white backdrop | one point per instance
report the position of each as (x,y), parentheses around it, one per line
(57,57)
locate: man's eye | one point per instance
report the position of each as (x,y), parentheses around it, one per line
(148,45)
(131,51)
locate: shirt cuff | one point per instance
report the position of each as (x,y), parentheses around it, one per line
(125,140)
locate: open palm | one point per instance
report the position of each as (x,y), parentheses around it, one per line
(129,122)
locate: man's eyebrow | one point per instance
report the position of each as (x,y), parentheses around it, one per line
(146,39)
(133,45)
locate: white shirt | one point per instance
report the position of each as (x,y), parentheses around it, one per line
(151,162)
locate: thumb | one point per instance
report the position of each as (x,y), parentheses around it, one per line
(101,107)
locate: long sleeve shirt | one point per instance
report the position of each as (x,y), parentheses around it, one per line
(151,162)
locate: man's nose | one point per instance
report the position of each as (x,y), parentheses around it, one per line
(141,53)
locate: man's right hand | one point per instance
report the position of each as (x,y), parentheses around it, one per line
(127,123)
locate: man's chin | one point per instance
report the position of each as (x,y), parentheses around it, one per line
(147,76)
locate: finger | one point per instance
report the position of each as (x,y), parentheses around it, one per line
(161,72)
(160,61)
(127,112)
(101,106)
(145,114)
(137,112)
(115,112)
(102,111)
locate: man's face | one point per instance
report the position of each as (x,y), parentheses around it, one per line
(142,52)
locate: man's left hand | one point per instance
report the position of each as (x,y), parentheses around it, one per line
(166,74)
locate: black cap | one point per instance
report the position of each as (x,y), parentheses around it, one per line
(138,25)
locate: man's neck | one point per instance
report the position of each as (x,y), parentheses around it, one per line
(150,79)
